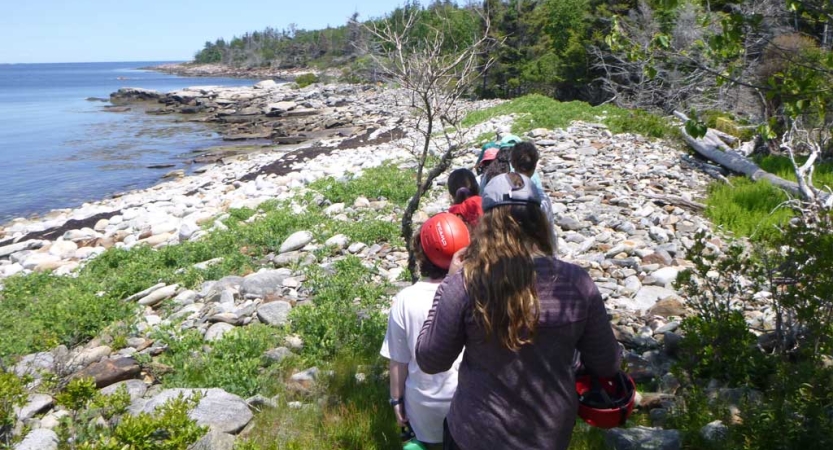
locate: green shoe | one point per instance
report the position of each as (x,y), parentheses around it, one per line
(414,444)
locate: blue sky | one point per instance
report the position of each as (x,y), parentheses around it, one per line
(153,30)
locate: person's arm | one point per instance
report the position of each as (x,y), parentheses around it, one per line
(395,348)
(398,375)
(443,334)
(600,352)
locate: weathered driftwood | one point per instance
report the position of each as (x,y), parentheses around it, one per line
(712,148)
(717,172)
(676,201)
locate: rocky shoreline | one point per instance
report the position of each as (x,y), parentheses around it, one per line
(190,69)
(316,131)
(626,211)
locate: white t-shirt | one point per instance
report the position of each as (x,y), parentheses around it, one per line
(427,397)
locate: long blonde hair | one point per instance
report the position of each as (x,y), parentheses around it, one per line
(499,271)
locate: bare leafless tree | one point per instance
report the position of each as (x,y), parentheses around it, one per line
(436,73)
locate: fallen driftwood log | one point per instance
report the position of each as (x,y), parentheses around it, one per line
(714,149)
(676,200)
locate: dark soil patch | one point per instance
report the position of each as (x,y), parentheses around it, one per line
(283,166)
(71,224)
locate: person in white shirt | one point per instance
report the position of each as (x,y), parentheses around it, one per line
(420,400)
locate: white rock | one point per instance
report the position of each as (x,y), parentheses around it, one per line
(39,439)
(158,295)
(37,403)
(335,208)
(665,275)
(187,229)
(20,246)
(648,296)
(266,84)
(356,247)
(339,241)
(88,252)
(361,202)
(296,241)
(217,331)
(37,259)
(11,269)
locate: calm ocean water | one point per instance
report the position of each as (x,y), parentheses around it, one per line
(58,150)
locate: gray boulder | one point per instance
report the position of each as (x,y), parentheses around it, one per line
(158,295)
(135,388)
(643,438)
(33,364)
(263,283)
(37,403)
(296,241)
(216,331)
(714,431)
(224,412)
(39,439)
(274,313)
(214,440)
(648,296)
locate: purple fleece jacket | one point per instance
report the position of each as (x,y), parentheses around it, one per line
(524,399)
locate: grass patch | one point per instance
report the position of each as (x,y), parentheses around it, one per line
(386,181)
(782,166)
(538,111)
(748,208)
(355,415)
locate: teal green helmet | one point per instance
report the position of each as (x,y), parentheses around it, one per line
(509,140)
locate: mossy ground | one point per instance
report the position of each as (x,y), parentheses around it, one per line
(538,111)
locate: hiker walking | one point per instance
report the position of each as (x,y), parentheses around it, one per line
(524,158)
(521,314)
(465,196)
(420,400)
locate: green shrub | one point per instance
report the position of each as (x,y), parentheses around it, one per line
(538,111)
(797,411)
(12,394)
(39,311)
(717,342)
(235,363)
(345,316)
(306,79)
(77,394)
(168,428)
(722,349)
(794,400)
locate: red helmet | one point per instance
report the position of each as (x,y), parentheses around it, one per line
(441,237)
(605,402)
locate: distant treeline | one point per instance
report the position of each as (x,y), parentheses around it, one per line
(559,48)
(543,43)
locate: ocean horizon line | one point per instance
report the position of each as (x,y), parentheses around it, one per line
(88,62)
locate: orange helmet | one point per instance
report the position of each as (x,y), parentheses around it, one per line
(605,402)
(441,236)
